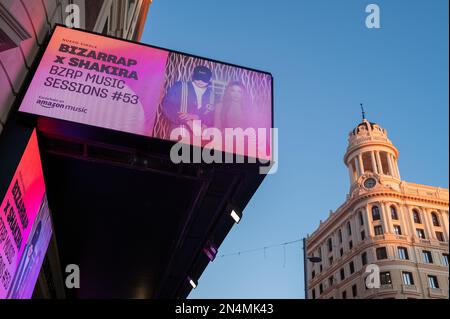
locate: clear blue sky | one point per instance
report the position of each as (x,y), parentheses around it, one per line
(324,62)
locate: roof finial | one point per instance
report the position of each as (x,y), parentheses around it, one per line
(363,112)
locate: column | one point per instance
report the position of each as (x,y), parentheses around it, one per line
(410,221)
(391,167)
(350,171)
(426,220)
(374,163)
(380,167)
(387,223)
(405,226)
(358,168)
(444,220)
(367,221)
(396,168)
(360,162)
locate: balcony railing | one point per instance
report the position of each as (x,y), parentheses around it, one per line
(435,292)
(409,288)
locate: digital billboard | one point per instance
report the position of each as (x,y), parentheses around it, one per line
(111,83)
(25,226)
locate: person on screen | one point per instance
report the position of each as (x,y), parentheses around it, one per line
(28,261)
(230,112)
(186,102)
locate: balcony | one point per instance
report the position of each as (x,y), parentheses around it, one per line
(386,287)
(436,292)
(410,289)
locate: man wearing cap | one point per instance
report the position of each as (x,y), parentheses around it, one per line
(186,102)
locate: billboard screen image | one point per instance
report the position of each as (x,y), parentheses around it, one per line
(25,226)
(125,86)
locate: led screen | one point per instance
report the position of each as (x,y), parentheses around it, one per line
(25,227)
(116,84)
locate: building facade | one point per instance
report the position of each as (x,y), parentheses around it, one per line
(392,231)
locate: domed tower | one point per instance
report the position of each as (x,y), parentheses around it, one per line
(371,158)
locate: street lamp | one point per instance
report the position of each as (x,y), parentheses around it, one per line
(311,259)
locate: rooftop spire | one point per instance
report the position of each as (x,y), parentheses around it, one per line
(363,113)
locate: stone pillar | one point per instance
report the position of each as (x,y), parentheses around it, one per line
(391,167)
(368,221)
(387,221)
(358,169)
(374,163)
(428,223)
(410,221)
(443,215)
(351,175)
(361,166)
(380,167)
(403,222)
(396,168)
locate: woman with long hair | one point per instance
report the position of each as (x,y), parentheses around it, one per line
(230,113)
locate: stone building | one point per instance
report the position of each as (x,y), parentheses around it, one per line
(399,226)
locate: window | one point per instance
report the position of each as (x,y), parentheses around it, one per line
(321,288)
(364,258)
(342,274)
(420,233)
(378,230)
(313,274)
(330,281)
(313,294)
(367,162)
(397,229)
(385,278)
(394,214)
(350,245)
(349,229)
(354,291)
(375,213)
(352,267)
(381,253)
(433,282)
(330,260)
(440,236)
(344,295)
(403,253)
(427,257)
(340,236)
(363,235)
(361,219)
(320,268)
(435,219)
(330,244)
(408,278)
(416,217)
(341,252)
(445,259)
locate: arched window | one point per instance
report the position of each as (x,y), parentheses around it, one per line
(394,214)
(375,213)
(416,217)
(435,219)
(340,235)
(349,229)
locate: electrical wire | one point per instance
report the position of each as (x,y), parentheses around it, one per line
(265,248)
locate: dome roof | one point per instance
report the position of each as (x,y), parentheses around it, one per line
(364,125)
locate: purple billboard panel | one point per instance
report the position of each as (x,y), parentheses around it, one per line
(111,83)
